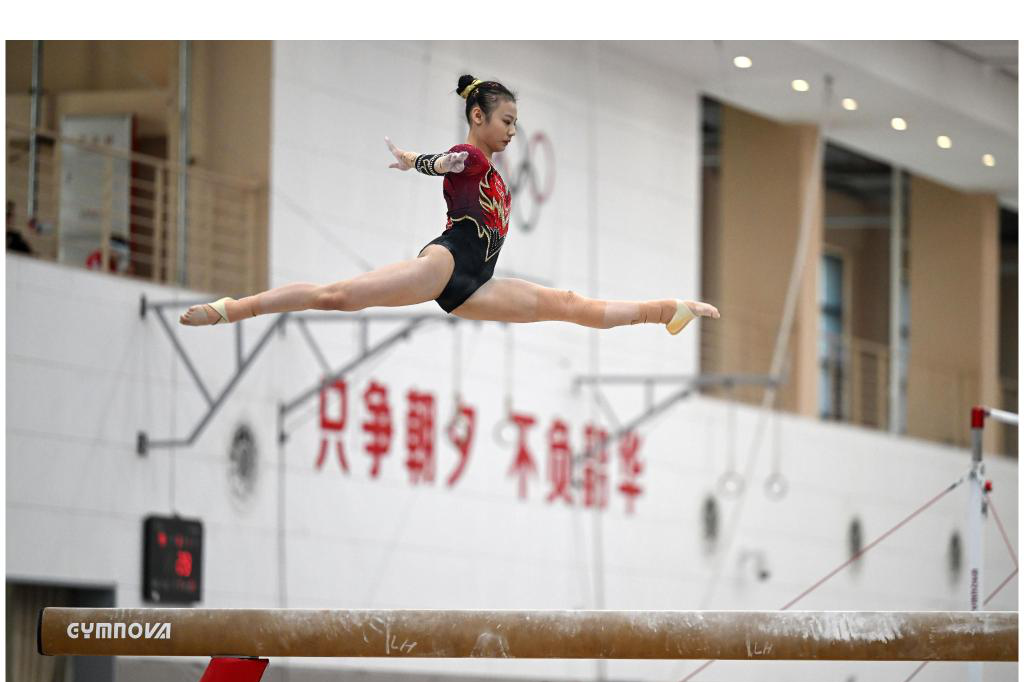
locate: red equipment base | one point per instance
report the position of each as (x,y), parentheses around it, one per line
(235,670)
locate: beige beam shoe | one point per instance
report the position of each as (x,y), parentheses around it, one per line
(192,318)
(680,319)
(686,311)
(220,305)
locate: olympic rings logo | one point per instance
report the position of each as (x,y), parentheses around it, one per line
(534,171)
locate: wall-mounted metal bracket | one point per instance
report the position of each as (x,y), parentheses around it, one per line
(691,383)
(243,361)
(366,352)
(143,442)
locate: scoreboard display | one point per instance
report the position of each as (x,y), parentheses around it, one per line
(172,560)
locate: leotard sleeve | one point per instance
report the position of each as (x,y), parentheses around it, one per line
(430,164)
(425,163)
(476,163)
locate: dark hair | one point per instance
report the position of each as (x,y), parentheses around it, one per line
(485,95)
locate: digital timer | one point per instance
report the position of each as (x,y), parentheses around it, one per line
(172,560)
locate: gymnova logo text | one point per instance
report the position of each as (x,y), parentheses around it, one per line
(120,630)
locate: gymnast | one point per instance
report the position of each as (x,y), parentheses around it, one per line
(456,269)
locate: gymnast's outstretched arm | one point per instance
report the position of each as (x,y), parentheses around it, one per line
(428,164)
(406,283)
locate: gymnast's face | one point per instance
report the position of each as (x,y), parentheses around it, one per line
(497,130)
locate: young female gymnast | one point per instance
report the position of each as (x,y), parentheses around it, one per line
(456,268)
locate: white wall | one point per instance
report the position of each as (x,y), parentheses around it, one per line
(85,373)
(622,222)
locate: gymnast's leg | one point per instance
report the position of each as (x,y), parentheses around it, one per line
(504,299)
(398,284)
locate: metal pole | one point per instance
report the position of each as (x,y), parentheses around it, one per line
(975,510)
(184,79)
(107,213)
(593,219)
(33,147)
(975,521)
(710,379)
(282,532)
(387,342)
(184,357)
(158,223)
(1003,416)
(895,303)
(811,197)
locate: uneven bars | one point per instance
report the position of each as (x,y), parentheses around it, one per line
(1003,416)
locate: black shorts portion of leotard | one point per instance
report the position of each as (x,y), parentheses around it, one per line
(471,269)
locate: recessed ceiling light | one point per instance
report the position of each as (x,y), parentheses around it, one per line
(988,160)
(850,104)
(898,123)
(944,142)
(801,85)
(742,62)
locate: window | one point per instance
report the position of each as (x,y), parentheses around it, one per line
(830,345)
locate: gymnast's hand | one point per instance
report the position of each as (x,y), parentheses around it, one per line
(451,163)
(446,163)
(406,160)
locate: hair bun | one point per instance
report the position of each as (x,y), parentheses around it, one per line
(464,88)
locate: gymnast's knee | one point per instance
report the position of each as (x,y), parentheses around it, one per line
(337,296)
(559,304)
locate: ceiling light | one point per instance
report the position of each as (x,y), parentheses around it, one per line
(850,104)
(742,62)
(898,123)
(944,142)
(801,85)
(988,160)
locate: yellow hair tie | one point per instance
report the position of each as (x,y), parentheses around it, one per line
(469,88)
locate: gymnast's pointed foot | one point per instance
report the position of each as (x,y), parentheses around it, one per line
(686,311)
(207,313)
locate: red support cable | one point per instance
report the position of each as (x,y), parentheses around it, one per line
(707,664)
(987,600)
(916,671)
(953,486)
(1006,539)
(871,545)
(1001,586)
(978,415)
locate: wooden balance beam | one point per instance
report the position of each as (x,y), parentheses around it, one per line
(733,635)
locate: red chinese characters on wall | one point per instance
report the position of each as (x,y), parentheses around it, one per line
(460,433)
(523,466)
(559,463)
(378,425)
(419,437)
(572,478)
(595,467)
(632,467)
(331,425)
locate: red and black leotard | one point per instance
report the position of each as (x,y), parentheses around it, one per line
(478,211)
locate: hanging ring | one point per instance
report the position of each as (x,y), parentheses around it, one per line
(730,484)
(776,486)
(500,430)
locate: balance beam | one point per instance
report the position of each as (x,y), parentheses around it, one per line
(726,635)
